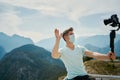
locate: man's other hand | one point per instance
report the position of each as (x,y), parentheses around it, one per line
(112,55)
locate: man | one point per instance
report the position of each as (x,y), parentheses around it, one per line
(72,55)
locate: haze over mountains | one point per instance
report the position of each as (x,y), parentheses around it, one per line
(98,43)
(106,49)
(8,43)
(49,43)
(11,42)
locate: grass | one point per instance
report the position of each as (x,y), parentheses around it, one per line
(103,67)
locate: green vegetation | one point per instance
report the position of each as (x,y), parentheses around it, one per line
(85,58)
(103,67)
(118,58)
(30,62)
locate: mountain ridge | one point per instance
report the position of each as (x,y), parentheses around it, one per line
(106,49)
(30,62)
(99,41)
(2,52)
(11,42)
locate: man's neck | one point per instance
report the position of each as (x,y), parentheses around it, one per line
(70,45)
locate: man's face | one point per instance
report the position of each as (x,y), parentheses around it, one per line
(67,36)
(70,33)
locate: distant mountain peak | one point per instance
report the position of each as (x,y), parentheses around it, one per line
(15,35)
(18,36)
(14,41)
(3,34)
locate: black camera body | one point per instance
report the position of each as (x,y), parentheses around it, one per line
(113,21)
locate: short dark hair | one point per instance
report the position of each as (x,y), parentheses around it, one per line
(65,33)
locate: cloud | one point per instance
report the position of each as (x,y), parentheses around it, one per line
(73,9)
(54,13)
(10,23)
(35,36)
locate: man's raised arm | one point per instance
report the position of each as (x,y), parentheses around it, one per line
(55,53)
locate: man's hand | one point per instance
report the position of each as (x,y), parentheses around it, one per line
(57,34)
(112,55)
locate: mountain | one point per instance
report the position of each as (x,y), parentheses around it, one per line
(104,49)
(30,62)
(11,42)
(117,48)
(49,43)
(2,52)
(97,40)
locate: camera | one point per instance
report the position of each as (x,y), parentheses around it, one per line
(113,21)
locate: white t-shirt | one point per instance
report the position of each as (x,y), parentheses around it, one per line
(73,61)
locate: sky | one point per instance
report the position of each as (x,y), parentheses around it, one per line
(37,19)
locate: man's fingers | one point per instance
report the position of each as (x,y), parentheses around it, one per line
(57,34)
(55,31)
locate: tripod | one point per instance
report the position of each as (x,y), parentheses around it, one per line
(112,38)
